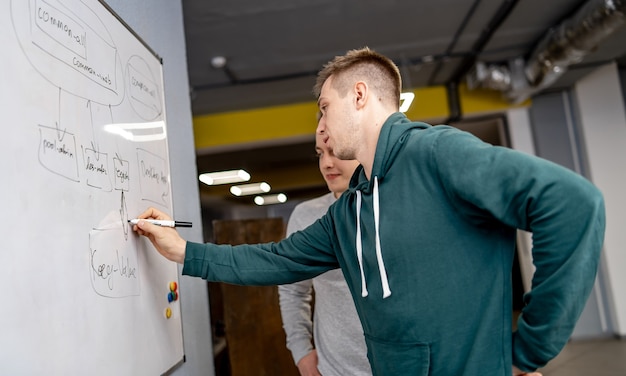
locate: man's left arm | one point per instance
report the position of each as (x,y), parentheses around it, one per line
(565,213)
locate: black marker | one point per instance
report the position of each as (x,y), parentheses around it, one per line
(159,222)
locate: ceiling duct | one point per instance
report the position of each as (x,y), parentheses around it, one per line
(564,45)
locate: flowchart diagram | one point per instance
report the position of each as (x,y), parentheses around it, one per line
(100,97)
(85,150)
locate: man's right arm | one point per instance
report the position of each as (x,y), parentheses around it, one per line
(295,308)
(295,303)
(166,240)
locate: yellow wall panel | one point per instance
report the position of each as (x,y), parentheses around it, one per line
(287,121)
(429,103)
(480,101)
(255,125)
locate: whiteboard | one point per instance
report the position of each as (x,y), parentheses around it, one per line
(84,149)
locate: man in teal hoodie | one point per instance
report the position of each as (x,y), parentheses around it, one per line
(425,236)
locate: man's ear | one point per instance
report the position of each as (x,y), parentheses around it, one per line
(361,93)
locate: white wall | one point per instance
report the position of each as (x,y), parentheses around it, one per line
(521,137)
(603,122)
(160,24)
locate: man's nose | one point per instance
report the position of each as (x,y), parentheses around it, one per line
(327,161)
(321,128)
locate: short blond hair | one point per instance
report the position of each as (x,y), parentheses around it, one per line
(380,73)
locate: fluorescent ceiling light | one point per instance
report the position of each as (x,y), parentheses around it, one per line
(270,199)
(138,132)
(250,189)
(406,100)
(224,177)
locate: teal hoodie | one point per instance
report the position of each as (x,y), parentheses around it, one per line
(427,246)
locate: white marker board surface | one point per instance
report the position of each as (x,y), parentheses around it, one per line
(84,149)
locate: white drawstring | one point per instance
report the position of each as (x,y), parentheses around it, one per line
(379,254)
(359,245)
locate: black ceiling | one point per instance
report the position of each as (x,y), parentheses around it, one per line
(274,48)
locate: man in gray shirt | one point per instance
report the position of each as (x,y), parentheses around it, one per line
(336,330)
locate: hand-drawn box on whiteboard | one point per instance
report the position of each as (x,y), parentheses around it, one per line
(145,96)
(114,268)
(153,177)
(57,152)
(69,40)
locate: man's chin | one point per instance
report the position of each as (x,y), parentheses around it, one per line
(343,154)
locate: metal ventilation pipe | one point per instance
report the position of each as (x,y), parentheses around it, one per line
(572,40)
(564,45)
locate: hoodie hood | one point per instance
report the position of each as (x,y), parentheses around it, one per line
(390,142)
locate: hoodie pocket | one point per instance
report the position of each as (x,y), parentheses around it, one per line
(410,359)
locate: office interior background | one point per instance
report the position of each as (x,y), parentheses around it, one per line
(547,78)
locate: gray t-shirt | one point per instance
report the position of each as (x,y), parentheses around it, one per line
(336,329)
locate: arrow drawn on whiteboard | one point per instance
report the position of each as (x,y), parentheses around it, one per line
(95,148)
(124,216)
(94,144)
(60,134)
(117,145)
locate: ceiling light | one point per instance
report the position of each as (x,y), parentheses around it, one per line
(406,100)
(138,132)
(250,189)
(270,199)
(218,62)
(224,177)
